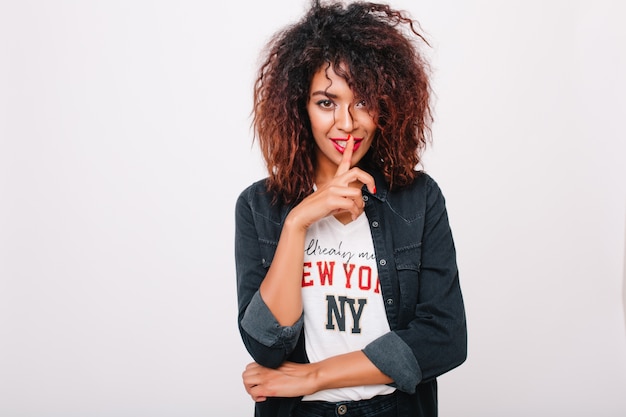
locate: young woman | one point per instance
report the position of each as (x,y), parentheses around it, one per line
(349,295)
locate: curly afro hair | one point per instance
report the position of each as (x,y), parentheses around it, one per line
(380,49)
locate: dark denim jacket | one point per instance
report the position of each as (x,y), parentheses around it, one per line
(418,277)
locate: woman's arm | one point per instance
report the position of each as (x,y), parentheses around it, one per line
(297,379)
(270,300)
(270,305)
(281,288)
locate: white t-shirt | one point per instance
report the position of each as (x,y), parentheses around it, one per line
(343,305)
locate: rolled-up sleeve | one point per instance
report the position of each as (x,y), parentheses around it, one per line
(260,324)
(393,357)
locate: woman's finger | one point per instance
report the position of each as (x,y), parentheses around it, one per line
(344,165)
(357,174)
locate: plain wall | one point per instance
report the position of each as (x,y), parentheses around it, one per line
(125,140)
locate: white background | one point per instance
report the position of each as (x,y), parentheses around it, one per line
(125,140)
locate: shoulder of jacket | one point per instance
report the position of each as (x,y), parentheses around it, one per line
(423,183)
(413,199)
(260,202)
(427,184)
(254,190)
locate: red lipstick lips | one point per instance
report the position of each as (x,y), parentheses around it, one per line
(341,143)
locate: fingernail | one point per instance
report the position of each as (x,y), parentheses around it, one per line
(374,190)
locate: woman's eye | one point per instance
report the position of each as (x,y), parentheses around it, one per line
(325,104)
(361,104)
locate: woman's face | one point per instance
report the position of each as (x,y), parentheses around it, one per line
(335,112)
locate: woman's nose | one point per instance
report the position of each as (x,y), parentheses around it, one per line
(344,119)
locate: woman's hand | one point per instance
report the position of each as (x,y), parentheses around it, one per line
(289,380)
(297,379)
(337,196)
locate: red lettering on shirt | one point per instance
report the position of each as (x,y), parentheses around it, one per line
(348,268)
(305,274)
(325,273)
(365,278)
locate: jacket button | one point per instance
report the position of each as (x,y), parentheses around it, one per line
(365,198)
(374,223)
(390,301)
(383,262)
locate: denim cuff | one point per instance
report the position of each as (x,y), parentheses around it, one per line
(259,322)
(393,357)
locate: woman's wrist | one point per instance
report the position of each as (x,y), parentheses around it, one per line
(294,222)
(315,377)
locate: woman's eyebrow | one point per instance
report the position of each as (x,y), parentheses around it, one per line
(323,93)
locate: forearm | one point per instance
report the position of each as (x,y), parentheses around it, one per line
(346,370)
(297,379)
(281,288)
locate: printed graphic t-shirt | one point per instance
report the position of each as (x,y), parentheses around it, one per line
(343,305)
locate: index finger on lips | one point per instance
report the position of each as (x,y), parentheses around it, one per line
(344,165)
